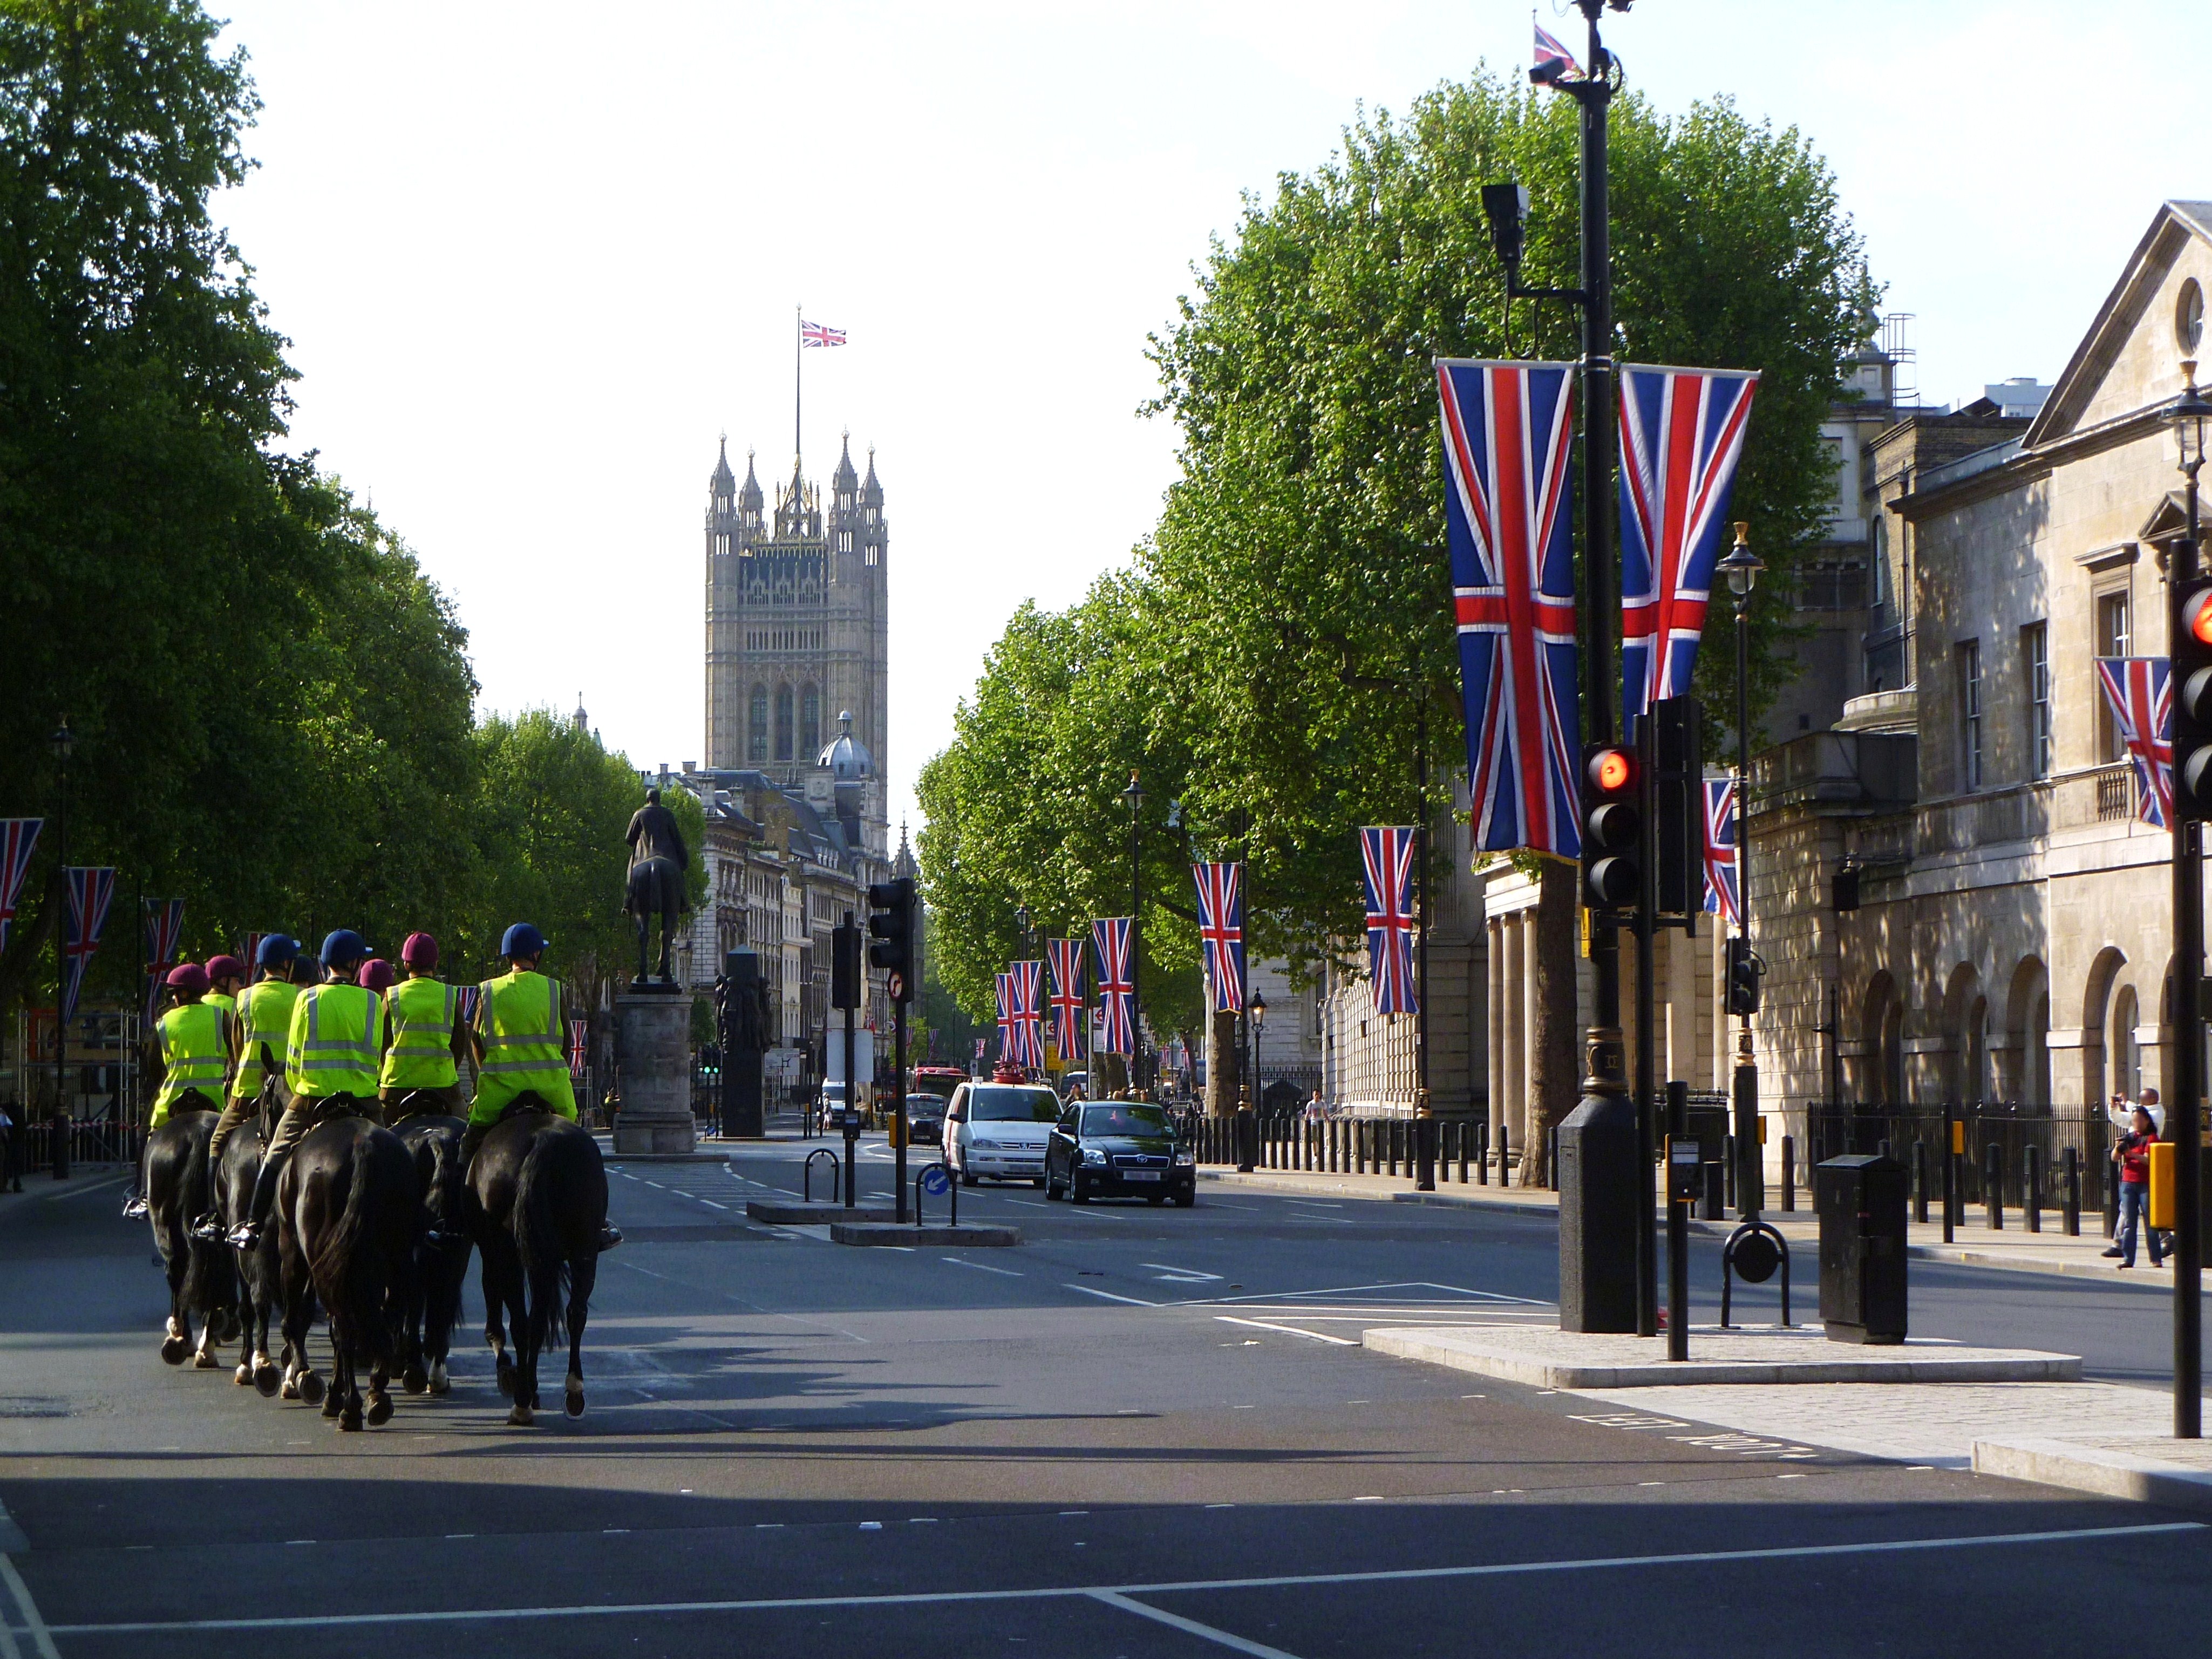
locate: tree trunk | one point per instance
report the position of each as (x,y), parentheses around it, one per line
(1554,1057)
(1113,1074)
(1222,1076)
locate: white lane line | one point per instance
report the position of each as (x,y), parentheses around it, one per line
(1133,1301)
(711,1205)
(1287,1581)
(89,1187)
(981,1266)
(1194,1274)
(1191,1627)
(1288,1330)
(34,1626)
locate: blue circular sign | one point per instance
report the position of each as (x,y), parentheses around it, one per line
(935,1182)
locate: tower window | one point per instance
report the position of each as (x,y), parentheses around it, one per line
(783,723)
(810,721)
(756,745)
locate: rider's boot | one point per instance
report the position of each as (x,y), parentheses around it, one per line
(610,1234)
(471,1139)
(134,1208)
(209,1228)
(247,1233)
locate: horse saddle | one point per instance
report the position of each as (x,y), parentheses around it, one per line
(191,1101)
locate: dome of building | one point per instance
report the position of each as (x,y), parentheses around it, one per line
(845,759)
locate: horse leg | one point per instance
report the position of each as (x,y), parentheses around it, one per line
(301,1381)
(494,1296)
(527,1339)
(415,1375)
(585,1275)
(444,1298)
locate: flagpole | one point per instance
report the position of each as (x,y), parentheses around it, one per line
(798,338)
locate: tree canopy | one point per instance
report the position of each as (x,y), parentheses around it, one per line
(1285,636)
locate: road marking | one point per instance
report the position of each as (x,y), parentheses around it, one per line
(79,1192)
(1190,1626)
(1133,1301)
(981,1266)
(1184,1275)
(33,1625)
(1176,1587)
(1288,1330)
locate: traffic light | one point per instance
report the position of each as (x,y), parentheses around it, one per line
(1611,826)
(845,965)
(891,907)
(2192,700)
(1678,809)
(1743,971)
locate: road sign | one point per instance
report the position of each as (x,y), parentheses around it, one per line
(896,985)
(935,1182)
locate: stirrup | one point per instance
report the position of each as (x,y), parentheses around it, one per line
(134,1208)
(209,1229)
(245,1235)
(610,1234)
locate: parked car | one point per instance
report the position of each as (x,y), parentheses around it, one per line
(1119,1149)
(998,1131)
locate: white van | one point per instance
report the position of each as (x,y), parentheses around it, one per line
(999,1131)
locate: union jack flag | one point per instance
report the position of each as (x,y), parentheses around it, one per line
(1721,866)
(2140,692)
(580,1045)
(1221,930)
(1385,857)
(17,837)
(465,1002)
(1009,1042)
(1681,434)
(1029,1008)
(1553,60)
(820,334)
(1507,431)
(1117,991)
(1067,1020)
(165,929)
(91,890)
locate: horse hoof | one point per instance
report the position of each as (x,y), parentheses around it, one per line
(439,1381)
(267,1381)
(349,1420)
(506,1378)
(380,1410)
(289,1387)
(243,1376)
(311,1388)
(414,1379)
(333,1403)
(203,1361)
(575,1402)
(520,1418)
(173,1350)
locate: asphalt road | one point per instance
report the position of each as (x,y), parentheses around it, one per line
(1143,1432)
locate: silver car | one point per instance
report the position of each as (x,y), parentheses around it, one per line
(999,1131)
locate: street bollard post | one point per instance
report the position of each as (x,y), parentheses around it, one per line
(2073,1222)
(1482,1153)
(1789,1173)
(2112,1199)
(1950,1156)
(1993,1185)
(1504,1154)
(1466,1134)
(2031,1189)
(1920,1182)
(1727,1169)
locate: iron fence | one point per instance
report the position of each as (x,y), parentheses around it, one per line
(1829,1130)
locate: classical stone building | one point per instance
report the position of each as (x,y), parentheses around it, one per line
(2011,934)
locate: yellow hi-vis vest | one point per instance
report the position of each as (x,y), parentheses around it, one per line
(336,1042)
(264,1016)
(195,1053)
(421,1053)
(518,1019)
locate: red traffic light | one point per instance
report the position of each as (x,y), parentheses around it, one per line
(1611,770)
(2197,616)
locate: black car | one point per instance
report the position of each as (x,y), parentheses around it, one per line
(925,1122)
(1118,1149)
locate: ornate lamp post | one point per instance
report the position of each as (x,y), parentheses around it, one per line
(2189,417)
(1256,1011)
(1742,568)
(1134,795)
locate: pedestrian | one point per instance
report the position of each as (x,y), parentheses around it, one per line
(2164,1235)
(2132,1154)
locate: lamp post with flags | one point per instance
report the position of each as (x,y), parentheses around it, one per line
(1742,568)
(1134,795)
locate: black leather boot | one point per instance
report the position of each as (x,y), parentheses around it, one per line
(247,1233)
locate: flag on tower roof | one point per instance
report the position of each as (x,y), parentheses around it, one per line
(819,334)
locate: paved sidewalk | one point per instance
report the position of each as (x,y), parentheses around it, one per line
(2013,1246)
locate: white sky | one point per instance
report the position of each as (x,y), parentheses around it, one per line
(534,260)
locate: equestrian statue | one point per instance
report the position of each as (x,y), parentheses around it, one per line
(657,862)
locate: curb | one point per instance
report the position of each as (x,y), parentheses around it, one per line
(780,1214)
(2098,1470)
(843,1232)
(1924,1365)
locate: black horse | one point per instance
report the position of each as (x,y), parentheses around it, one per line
(351,1211)
(656,888)
(200,1277)
(542,1187)
(259,1269)
(432,1304)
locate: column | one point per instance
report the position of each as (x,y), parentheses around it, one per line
(1494,1022)
(1514,1107)
(1681,1010)
(1530,1019)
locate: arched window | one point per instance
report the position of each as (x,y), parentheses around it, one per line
(810,722)
(756,745)
(783,723)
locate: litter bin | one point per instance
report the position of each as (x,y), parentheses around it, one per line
(1860,1200)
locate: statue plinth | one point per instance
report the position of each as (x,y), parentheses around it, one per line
(655,1033)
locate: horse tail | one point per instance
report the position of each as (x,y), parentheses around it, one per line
(538,1235)
(348,1268)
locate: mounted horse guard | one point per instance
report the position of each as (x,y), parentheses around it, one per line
(657,862)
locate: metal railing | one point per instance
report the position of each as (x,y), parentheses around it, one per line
(1825,1130)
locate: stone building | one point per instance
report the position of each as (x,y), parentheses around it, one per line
(2011,935)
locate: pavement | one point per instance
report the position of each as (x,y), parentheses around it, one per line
(1141,1432)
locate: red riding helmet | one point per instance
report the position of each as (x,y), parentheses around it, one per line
(188,979)
(420,951)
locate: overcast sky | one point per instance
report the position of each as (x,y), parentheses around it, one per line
(533,260)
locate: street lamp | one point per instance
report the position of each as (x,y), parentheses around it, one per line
(1257,1009)
(64,744)
(1134,795)
(1742,568)
(2189,417)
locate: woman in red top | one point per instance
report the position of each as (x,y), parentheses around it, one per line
(2132,1154)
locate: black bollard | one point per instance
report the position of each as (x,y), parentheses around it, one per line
(1504,1154)
(1466,1134)
(2073,1222)
(1552,1164)
(1993,1185)
(1920,1182)
(2112,1198)
(1482,1153)
(1789,1173)
(1390,1144)
(2031,1189)
(1728,1168)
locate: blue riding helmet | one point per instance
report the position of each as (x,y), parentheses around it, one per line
(343,948)
(276,950)
(522,940)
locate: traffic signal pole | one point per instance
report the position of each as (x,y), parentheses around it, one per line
(2184,1109)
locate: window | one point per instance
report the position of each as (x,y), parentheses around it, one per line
(756,745)
(1969,710)
(2115,638)
(783,723)
(2035,657)
(810,722)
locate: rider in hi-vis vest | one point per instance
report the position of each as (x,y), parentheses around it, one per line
(425,1037)
(517,1035)
(330,1056)
(190,1057)
(263,1022)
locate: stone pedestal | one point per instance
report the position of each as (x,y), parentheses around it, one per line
(654,1034)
